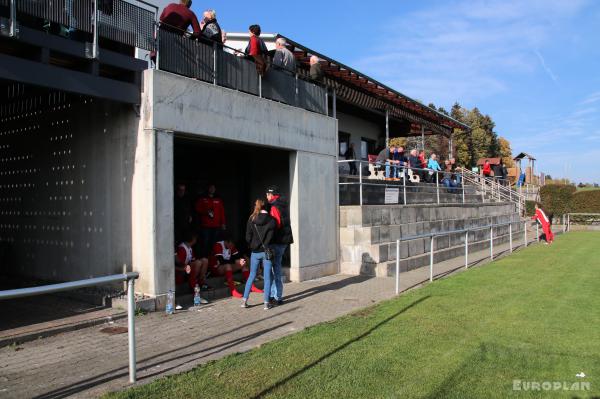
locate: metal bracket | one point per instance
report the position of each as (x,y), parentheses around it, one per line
(5,28)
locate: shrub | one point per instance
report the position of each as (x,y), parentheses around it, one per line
(529,208)
(556,199)
(586,202)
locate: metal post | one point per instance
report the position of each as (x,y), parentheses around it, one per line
(334,104)
(360,183)
(537,231)
(326,97)
(437,186)
(404,176)
(214,63)
(482,188)
(462,183)
(131,329)
(13,18)
(422,137)
(510,236)
(387,128)
(397,267)
(450,147)
(491,243)
(466,250)
(525,234)
(296,97)
(259,86)
(157,45)
(95,32)
(431,259)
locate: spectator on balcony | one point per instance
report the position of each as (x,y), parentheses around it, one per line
(177,17)
(456,172)
(210,28)
(433,166)
(487,169)
(415,163)
(351,155)
(447,179)
(283,57)
(257,49)
(401,162)
(316,73)
(423,159)
(385,157)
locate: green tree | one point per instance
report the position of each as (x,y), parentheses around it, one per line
(506,152)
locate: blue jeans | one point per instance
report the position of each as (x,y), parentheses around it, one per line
(255,260)
(450,184)
(391,169)
(277,285)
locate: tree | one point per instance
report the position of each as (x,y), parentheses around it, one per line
(506,152)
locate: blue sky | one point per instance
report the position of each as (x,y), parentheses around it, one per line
(532,65)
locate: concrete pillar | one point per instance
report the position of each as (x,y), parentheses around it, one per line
(152,212)
(314,215)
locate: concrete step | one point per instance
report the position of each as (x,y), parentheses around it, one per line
(386,249)
(370,235)
(388,268)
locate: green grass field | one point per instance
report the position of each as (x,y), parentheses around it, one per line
(533,316)
(587,188)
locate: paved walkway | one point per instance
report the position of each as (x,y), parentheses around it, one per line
(88,362)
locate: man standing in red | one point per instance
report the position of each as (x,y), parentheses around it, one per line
(211,215)
(177,17)
(541,217)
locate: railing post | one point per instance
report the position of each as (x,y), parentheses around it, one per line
(525,234)
(131,329)
(13,18)
(296,100)
(491,243)
(537,232)
(397,267)
(259,86)
(157,45)
(404,175)
(462,183)
(510,237)
(360,182)
(431,259)
(214,63)
(467,249)
(482,189)
(95,32)
(437,186)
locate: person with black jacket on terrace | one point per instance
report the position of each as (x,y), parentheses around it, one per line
(177,17)
(210,28)
(260,230)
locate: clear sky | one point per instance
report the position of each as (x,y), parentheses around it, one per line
(532,65)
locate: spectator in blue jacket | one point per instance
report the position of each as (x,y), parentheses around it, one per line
(433,166)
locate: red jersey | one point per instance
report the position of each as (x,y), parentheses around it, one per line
(185,254)
(487,169)
(211,211)
(180,17)
(220,249)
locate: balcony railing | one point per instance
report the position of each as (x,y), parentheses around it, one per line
(218,64)
(134,24)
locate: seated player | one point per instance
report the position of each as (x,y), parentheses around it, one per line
(226,260)
(187,267)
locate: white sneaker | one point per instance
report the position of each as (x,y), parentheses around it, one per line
(204,301)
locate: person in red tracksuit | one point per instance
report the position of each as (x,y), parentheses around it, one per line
(210,210)
(225,260)
(541,217)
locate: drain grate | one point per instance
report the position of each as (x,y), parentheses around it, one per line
(114,330)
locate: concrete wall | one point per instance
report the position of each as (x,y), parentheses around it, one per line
(359,128)
(67,165)
(173,103)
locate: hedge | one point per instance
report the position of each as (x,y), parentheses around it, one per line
(586,202)
(529,208)
(556,199)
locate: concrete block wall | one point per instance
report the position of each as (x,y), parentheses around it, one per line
(368,234)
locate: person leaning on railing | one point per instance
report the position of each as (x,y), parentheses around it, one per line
(283,57)
(210,28)
(433,166)
(316,72)
(177,18)
(257,49)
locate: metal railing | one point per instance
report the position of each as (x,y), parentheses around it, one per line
(429,181)
(495,189)
(466,231)
(580,218)
(117,20)
(181,53)
(117,278)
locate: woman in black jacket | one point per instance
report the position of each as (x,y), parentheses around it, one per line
(259,232)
